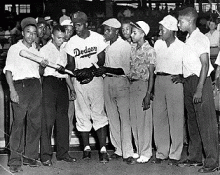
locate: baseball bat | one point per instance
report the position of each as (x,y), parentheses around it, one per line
(33,57)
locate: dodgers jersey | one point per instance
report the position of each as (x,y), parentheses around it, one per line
(86,50)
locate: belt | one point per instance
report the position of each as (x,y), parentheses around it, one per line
(113,75)
(60,79)
(214,47)
(163,74)
(25,79)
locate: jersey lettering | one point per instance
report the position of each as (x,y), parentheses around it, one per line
(87,52)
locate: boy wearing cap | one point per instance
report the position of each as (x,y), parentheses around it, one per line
(68,25)
(116,90)
(41,31)
(168,107)
(198,96)
(85,49)
(141,84)
(25,91)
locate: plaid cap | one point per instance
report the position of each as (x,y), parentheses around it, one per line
(79,17)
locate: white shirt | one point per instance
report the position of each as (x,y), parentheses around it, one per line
(217,61)
(196,45)
(86,50)
(169,59)
(21,68)
(118,55)
(52,54)
(213,38)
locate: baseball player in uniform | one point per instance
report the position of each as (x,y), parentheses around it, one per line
(84,49)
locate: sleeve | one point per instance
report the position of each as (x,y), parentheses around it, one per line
(101,43)
(151,54)
(10,60)
(203,45)
(125,58)
(68,48)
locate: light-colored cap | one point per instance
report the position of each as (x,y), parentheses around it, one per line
(142,25)
(169,22)
(66,22)
(47,18)
(112,22)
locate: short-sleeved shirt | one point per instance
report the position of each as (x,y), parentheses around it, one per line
(169,59)
(141,59)
(213,38)
(117,55)
(196,45)
(21,68)
(85,50)
(52,54)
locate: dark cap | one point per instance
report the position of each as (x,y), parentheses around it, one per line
(28,21)
(79,17)
(41,20)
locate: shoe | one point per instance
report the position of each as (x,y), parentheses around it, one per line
(30,162)
(158,161)
(67,159)
(103,157)
(115,156)
(86,154)
(173,162)
(208,170)
(188,163)
(135,155)
(47,163)
(143,159)
(15,168)
(130,160)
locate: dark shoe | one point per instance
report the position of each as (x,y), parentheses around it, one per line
(86,154)
(208,170)
(188,163)
(158,161)
(103,157)
(30,162)
(173,162)
(47,163)
(130,160)
(115,156)
(67,159)
(15,168)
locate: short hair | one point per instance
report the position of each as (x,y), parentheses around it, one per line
(58,28)
(189,12)
(213,19)
(126,21)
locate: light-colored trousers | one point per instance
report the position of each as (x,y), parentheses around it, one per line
(141,121)
(116,93)
(168,118)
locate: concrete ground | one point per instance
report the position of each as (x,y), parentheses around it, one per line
(94,167)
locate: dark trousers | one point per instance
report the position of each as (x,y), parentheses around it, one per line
(202,123)
(55,109)
(28,111)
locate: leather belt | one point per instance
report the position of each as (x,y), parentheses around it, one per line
(60,79)
(163,74)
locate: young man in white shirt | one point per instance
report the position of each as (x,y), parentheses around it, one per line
(25,92)
(198,96)
(168,107)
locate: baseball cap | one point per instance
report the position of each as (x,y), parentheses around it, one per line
(28,21)
(112,22)
(142,25)
(79,17)
(48,19)
(169,22)
(41,20)
(66,22)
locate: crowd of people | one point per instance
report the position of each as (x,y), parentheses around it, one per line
(116,82)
